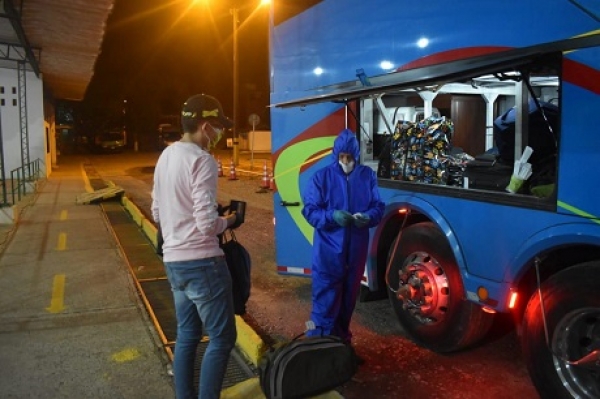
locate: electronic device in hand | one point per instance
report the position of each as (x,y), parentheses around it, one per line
(239,207)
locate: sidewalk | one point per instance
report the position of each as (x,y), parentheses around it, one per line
(72,320)
(71,323)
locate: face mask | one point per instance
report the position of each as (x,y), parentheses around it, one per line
(213,143)
(347,167)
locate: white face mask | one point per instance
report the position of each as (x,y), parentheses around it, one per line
(213,143)
(347,167)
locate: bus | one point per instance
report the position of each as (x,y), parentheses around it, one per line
(490,193)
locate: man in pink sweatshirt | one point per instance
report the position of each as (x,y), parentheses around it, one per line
(184,203)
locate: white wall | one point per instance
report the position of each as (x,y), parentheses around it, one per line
(11,127)
(257,141)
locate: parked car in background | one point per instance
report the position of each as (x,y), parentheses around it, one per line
(113,140)
(167,135)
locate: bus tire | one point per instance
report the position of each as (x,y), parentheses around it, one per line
(571,301)
(437,315)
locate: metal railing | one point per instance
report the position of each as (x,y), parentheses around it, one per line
(19,179)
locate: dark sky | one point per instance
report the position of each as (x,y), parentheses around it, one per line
(157,53)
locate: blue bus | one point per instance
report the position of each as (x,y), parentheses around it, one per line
(481,118)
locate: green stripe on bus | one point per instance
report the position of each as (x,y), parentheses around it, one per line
(577,211)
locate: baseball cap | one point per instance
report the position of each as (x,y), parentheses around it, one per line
(205,107)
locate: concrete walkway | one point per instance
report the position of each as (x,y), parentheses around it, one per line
(71,323)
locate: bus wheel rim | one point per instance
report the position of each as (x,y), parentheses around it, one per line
(425,291)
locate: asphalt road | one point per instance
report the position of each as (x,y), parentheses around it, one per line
(279,306)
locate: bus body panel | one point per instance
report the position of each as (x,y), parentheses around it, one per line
(303,136)
(341,36)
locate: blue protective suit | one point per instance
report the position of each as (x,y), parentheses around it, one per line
(339,253)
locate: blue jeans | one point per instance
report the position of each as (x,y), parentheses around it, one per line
(203,300)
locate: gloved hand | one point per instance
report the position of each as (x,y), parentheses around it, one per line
(342,218)
(361,220)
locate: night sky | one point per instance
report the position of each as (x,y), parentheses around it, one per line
(157,53)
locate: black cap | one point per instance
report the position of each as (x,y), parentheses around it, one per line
(205,107)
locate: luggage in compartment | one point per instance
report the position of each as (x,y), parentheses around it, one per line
(486,175)
(543,135)
(385,159)
(419,151)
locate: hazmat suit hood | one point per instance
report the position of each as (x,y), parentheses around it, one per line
(346,142)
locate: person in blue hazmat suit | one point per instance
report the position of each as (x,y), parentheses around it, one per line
(341,202)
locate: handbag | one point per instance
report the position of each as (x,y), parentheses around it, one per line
(239,264)
(306,366)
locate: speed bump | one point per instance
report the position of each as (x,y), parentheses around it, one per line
(100,195)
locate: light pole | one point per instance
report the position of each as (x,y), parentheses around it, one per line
(236,91)
(236,23)
(234,12)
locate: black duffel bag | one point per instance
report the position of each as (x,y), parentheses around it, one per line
(493,176)
(306,366)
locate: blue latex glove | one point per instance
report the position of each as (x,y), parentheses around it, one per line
(361,220)
(342,218)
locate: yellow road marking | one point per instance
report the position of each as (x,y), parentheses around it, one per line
(62,242)
(64,214)
(126,355)
(57,303)
(86,181)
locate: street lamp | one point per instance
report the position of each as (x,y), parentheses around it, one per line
(236,21)
(234,13)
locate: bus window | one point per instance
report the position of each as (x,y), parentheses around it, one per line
(523,105)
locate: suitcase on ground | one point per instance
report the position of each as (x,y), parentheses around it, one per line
(306,366)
